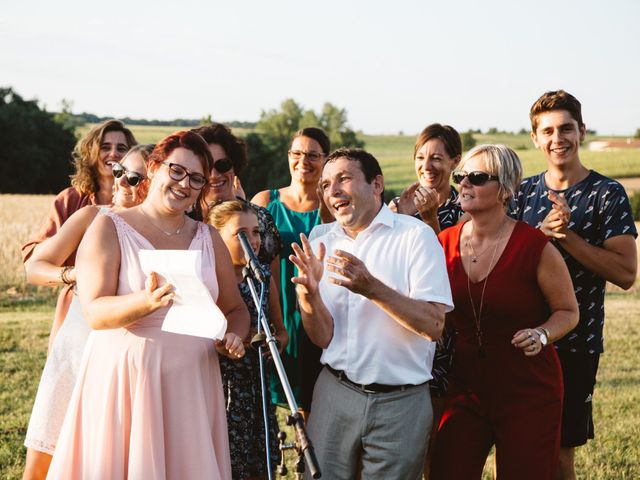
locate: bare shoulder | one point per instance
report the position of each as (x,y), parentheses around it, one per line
(261,198)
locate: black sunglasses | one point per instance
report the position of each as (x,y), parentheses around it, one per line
(178,172)
(132,178)
(223,165)
(476,179)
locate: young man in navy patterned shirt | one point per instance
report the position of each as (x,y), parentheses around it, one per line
(588,218)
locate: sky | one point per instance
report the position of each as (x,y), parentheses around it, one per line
(393,65)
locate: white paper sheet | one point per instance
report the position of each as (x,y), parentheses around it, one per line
(193,311)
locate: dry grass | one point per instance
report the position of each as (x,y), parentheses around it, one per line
(20,217)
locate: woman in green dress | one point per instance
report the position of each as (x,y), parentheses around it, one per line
(295,210)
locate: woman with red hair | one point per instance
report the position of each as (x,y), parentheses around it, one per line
(149,403)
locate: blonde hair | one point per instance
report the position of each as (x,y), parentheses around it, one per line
(219,213)
(87,152)
(502,162)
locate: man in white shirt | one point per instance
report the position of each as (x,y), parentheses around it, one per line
(375,306)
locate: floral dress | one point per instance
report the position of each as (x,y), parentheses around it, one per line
(243,398)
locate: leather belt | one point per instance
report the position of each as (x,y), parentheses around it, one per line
(370,388)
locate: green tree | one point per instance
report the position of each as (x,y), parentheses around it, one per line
(267,147)
(637,135)
(36,152)
(66,118)
(468,140)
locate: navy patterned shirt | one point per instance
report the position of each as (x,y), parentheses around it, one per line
(599,210)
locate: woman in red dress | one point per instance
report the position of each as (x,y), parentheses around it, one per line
(513,298)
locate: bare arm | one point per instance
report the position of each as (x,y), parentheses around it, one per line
(261,198)
(557,288)
(229,301)
(615,261)
(97,272)
(43,267)
(418,316)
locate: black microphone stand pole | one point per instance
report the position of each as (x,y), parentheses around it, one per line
(303,443)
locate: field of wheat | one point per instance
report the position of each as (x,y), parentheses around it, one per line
(20,217)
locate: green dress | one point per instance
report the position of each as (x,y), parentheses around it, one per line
(301,359)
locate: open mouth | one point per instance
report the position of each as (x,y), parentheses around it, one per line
(341,205)
(218,184)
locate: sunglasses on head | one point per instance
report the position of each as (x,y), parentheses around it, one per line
(476,179)
(223,165)
(132,178)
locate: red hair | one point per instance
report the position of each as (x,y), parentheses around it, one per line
(190,141)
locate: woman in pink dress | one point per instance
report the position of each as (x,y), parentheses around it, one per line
(149,403)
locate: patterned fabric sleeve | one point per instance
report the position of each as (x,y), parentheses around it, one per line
(271,243)
(616,211)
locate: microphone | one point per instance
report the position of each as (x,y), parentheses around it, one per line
(250,256)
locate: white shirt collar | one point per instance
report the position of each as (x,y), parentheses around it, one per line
(384,217)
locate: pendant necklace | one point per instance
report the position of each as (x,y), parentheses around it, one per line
(477,315)
(168,234)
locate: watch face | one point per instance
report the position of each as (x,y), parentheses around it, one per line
(543,339)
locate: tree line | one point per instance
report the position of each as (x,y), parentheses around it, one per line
(36,157)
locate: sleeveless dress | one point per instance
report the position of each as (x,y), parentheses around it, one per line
(147,403)
(301,358)
(500,396)
(58,378)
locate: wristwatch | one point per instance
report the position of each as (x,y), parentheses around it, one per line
(544,336)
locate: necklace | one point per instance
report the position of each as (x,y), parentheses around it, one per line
(168,234)
(477,316)
(475,256)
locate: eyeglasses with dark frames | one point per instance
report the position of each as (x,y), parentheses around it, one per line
(132,178)
(178,172)
(477,179)
(298,154)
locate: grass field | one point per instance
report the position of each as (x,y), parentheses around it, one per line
(612,455)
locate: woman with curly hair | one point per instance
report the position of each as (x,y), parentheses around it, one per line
(46,268)
(91,184)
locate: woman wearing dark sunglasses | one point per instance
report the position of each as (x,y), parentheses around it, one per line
(154,397)
(513,298)
(47,268)
(229,160)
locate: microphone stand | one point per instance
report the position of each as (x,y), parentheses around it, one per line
(303,445)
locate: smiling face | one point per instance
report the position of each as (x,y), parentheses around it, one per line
(476,199)
(351,199)
(112,149)
(246,222)
(125,195)
(174,194)
(559,136)
(221,184)
(434,165)
(304,169)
